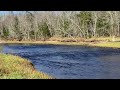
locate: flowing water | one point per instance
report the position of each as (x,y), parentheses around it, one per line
(70,62)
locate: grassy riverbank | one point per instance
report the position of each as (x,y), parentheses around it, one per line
(108,44)
(14,67)
(98,42)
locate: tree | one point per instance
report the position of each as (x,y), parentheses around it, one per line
(35,25)
(30,19)
(19,34)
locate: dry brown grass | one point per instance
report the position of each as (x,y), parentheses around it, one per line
(74,41)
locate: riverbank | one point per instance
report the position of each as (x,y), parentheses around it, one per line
(15,67)
(97,42)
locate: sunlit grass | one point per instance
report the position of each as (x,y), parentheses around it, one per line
(108,44)
(15,67)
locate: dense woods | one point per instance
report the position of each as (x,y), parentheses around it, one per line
(39,25)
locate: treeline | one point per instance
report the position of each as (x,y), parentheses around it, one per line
(36,25)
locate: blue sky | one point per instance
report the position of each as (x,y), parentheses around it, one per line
(6,12)
(2,12)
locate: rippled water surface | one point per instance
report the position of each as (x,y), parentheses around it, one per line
(70,62)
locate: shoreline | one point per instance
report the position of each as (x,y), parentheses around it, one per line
(104,44)
(30,66)
(16,67)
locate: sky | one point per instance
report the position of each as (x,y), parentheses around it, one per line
(2,12)
(6,12)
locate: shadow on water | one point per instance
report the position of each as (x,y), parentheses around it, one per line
(70,62)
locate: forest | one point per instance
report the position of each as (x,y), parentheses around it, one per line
(60,45)
(42,25)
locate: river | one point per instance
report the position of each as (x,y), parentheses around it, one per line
(70,61)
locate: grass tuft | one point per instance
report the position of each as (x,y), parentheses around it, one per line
(15,67)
